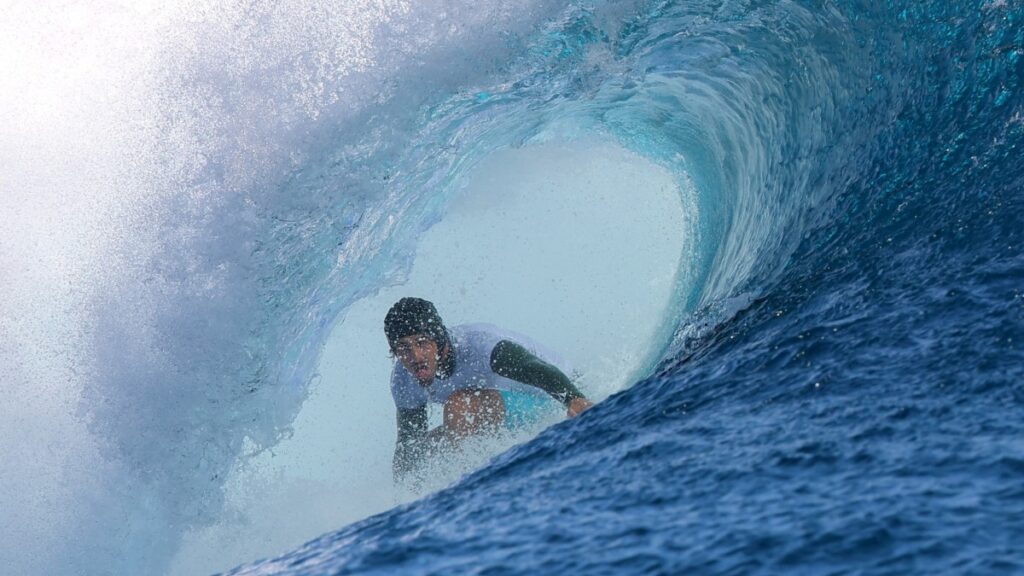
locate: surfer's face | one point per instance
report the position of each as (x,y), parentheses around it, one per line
(420,356)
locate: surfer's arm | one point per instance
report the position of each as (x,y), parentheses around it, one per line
(512,361)
(412,430)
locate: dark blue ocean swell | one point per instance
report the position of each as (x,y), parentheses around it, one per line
(862,413)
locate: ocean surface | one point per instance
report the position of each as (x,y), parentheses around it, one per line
(805,325)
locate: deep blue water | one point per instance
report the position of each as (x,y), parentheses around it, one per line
(845,390)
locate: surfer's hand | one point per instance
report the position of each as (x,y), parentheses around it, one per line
(577,406)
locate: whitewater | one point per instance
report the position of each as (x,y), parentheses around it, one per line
(780,240)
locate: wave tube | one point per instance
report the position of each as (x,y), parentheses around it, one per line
(548,240)
(845,394)
(193,219)
(200,195)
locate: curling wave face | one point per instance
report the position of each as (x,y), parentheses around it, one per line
(834,382)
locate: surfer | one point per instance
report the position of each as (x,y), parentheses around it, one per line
(483,376)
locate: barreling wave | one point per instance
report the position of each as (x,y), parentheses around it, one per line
(840,386)
(856,199)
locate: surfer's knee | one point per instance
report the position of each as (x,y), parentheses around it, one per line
(469,412)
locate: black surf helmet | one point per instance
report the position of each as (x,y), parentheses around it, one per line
(414,316)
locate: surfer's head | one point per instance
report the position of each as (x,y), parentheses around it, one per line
(417,336)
